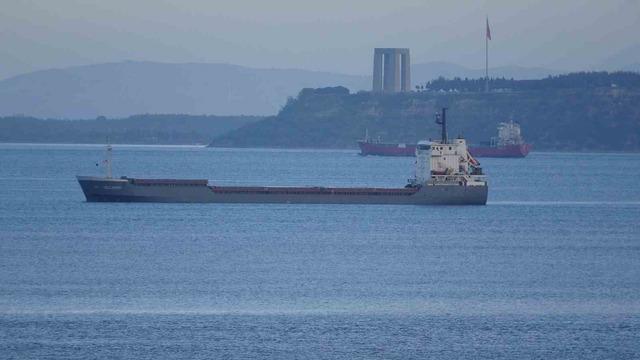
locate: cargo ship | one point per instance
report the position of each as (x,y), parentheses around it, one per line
(445,174)
(370,146)
(509,143)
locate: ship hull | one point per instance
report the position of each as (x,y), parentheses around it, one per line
(508,151)
(391,149)
(386,149)
(198,191)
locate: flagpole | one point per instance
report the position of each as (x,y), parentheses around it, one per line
(486,59)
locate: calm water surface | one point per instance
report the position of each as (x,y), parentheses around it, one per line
(550,268)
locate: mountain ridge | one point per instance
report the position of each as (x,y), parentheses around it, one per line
(120,89)
(123,88)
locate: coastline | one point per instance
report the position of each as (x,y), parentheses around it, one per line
(268,149)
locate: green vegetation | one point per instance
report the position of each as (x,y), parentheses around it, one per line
(582,111)
(580,80)
(138,129)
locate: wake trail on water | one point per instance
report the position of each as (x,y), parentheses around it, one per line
(560,203)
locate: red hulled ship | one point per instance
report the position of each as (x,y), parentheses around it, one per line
(386,149)
(508,143)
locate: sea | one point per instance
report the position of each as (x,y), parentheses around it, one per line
(548,269)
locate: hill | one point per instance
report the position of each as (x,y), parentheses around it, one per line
(139,129)
(122,89)
(125,88)
(585,111)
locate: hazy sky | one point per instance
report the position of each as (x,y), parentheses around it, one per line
(333,35)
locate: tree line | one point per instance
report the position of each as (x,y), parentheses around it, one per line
(595,79)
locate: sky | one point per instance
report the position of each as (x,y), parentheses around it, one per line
(324,35)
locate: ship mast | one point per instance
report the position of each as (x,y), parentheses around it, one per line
(441,119)
(108,159)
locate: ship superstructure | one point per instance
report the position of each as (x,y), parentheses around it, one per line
(509,134)
(445,161)
(445,174)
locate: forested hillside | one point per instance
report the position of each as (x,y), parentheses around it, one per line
(584,112)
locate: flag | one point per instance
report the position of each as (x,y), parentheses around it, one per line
(488,30)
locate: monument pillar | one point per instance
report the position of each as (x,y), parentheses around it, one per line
(396,81)
(377,70)
(391,70)
(406,72)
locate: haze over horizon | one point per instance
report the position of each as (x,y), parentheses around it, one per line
(324,36)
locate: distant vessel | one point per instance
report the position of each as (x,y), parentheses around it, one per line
(386,149)
(509,143)
(445,174)
(370,146)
